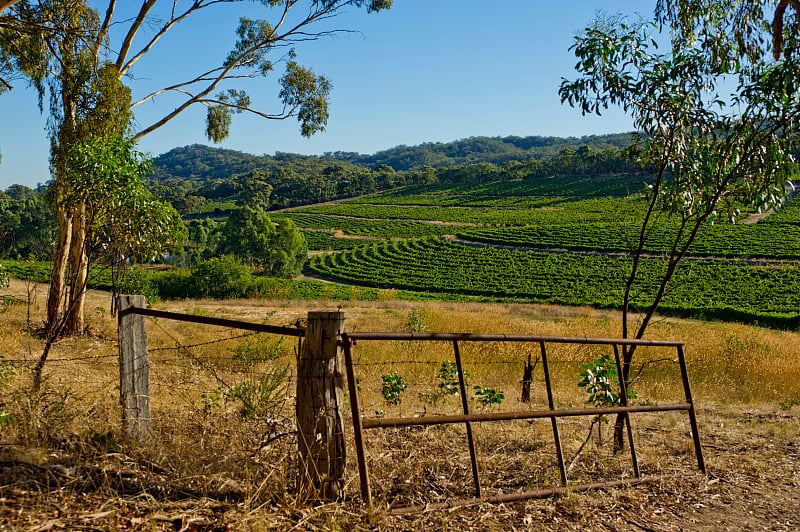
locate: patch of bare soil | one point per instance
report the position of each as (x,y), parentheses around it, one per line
(792,191)
(753,458)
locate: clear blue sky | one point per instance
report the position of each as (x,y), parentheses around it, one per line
(424,71)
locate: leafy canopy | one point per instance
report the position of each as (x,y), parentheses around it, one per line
(734,148)
(123,217)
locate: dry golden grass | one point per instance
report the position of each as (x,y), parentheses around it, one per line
(203,450)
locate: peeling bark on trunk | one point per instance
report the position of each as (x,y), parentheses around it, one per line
(78,264)
(55,296)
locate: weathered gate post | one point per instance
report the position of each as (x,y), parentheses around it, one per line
(134,368)
(320,408)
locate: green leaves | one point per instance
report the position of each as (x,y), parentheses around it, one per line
(254,43)
(598,379)
(393,387)
(218,123)
(124,219)
(218,117)
(448,378)
(249,234)
(714,156)
(488,396)
(307,95)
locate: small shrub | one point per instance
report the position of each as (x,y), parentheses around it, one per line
(488,396)
(137,281)
(173,284)
(393,386)
(260,348)
(448,378)
(210,399)
(788,405)
(447,385)
(600,378)
(415,321)
(221,277)
(260,396)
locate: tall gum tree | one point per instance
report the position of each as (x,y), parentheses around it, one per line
(48,41)
(713,152)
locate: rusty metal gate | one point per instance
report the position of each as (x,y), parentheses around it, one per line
(360,423)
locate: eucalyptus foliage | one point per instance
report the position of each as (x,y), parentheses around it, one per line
(125,220)
(716,116)
(83,60)
(712,152)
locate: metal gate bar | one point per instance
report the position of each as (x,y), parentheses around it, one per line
(348,340)
(358,427)
(623,399)
(533,494)
(374,423)
(551,405)
(465,405)
(687,391)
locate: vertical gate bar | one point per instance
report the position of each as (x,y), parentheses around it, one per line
(623,399)
(556,437)
(465,404)
(692,418)
(358,429)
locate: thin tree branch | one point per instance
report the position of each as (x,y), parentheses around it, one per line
(101,35)
(223,75)
(197,5)
(281,116)
(198,79)
(137,23)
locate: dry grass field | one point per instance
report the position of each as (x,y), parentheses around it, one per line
(222,453)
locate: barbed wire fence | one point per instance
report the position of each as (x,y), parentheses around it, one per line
(224,416)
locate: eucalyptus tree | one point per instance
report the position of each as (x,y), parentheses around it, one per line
(713,152)
(83,60)
(121,219)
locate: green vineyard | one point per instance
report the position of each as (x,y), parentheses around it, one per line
(565,209)
(377,229)
(433,265)
(456,194)
(770,241)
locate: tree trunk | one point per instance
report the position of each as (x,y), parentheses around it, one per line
(78,264)
(60,140)
(619,422)
(56,294)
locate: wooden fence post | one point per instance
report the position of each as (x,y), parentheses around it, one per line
(320,408)
(134,369)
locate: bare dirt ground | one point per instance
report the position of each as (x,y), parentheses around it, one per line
(755,218)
